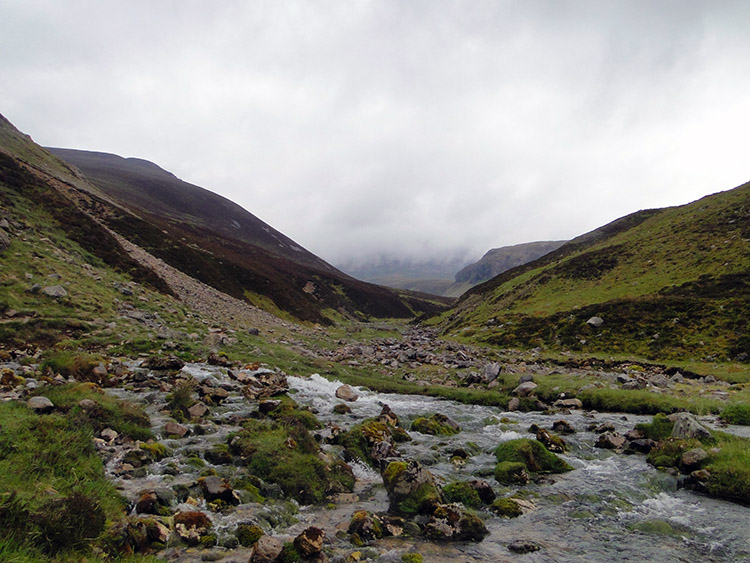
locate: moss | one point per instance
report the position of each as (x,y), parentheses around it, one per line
(341,408)
(657,527)
(506,507)
(532,454)
(156,450)
(358,441)
(511,473)
(248,534)
(411,558)
(435,425)
(289,554)
(462,492)
(394,470)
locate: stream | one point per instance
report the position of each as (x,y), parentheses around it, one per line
(611,507)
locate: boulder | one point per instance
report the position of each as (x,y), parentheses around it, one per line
(483,489)
(215,359)
(450,522)
(163,363)
(686,427)
(56,291)
(366,525)
(610,441)
(267,550)
(490,372)
(568,404)
(524,546)
(40,405)
(346,393)
(692,459)
(595,321)
(525,389)
(198,410)
(563,427)
(175,429)
(513,404)
(215,488)
(641,445)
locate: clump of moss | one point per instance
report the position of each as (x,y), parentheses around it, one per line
(462,492)
(435,425)
(532,453)
(411,558)
(506,507)
(248,534)
(156,450)
(511,473)
(289,412)
(668,453)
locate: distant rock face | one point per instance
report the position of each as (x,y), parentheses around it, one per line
(499,260)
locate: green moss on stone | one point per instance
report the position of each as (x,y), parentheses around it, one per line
(532,454)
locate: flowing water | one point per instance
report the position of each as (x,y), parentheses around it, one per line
(612,507)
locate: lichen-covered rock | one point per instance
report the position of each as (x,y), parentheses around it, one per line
(450,522)
(267,550)
(686,427)
(411,488)
(191,526)
(310,542)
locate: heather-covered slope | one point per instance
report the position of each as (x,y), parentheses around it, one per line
(219,243)
(670,282)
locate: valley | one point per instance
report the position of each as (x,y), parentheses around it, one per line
(174,388)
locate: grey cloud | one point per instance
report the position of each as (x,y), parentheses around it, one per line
(398,128)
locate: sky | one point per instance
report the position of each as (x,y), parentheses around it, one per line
(406,129)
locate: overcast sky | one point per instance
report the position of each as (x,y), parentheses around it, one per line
(361,127)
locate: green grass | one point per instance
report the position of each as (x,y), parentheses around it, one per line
(645,275)
(57,501)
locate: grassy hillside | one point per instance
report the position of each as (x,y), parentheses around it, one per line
(671,283)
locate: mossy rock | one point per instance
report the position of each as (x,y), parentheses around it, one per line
(533,455)
(511,473)
(506,507)
(411,488)
(341,408)
(156,450)
(248,534)
(411,558)
(435,425)
(668,453)
(463,493)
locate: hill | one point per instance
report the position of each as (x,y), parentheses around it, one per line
(498,260)
(220,244)
(662,283)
